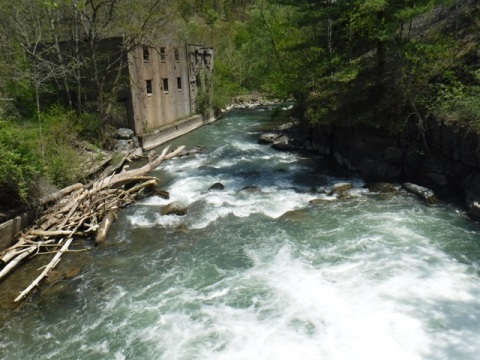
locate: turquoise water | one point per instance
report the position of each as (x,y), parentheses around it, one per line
(263,274)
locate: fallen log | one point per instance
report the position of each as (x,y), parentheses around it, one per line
(44,233)
(422,192)
(50,266)
(13,263)
(59,194)
(104,227)
(79,210)
(112,180)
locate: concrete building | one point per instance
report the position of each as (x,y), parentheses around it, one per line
(165,84)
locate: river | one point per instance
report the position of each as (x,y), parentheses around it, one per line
(260,273)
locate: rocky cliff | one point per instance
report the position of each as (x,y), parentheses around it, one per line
(443,156)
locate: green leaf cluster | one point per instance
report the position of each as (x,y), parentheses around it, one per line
(19,163)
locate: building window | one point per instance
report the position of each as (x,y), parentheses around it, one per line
(199,81)
(146,53)
(148,84)
(179,83)
(177,55)
(163,54)
(149,87)
(165,85)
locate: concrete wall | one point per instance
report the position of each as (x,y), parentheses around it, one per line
(10,228)
(169,132)
(154,105)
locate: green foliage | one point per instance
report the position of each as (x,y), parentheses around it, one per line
(24,158)
(459,104)
(19,163)
(61,157)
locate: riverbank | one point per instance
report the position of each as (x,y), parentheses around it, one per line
(250,271)
(445,157)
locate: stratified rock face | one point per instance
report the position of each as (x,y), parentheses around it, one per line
(442,156)
(287,143)
(216,187)
(174,208)
(472,200)
(422,192)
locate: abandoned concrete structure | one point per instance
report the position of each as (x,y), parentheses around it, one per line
(165,84)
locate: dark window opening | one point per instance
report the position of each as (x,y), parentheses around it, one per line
(163,54)
(179,83)
(149,87)
(177,55)
(165,85)
(146,53)
(199,82)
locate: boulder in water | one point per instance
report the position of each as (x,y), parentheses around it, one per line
(269,137)
(193,151)
(216,187)
(286,143)
(340,188)
(381,187)
(174,208)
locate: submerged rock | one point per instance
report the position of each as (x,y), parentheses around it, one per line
(318,202)
(182,228)
(295,215)
(251,189)
(340,188)
(193,151)
(57,275)
(163,194)
(422,192)
(381,187)
(71,273)
(174,208)
(216,187)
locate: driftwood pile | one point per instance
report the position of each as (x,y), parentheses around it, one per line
(79,211)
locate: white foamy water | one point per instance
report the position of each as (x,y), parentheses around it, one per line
(261,274)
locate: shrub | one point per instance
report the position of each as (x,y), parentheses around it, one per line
(61,154)
(459,104)
(19,163)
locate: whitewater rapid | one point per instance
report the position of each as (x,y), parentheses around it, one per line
(264,274)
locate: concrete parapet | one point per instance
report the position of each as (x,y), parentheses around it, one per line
(10,228)
(172,131)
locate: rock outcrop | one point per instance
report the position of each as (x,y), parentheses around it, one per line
(444,157)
